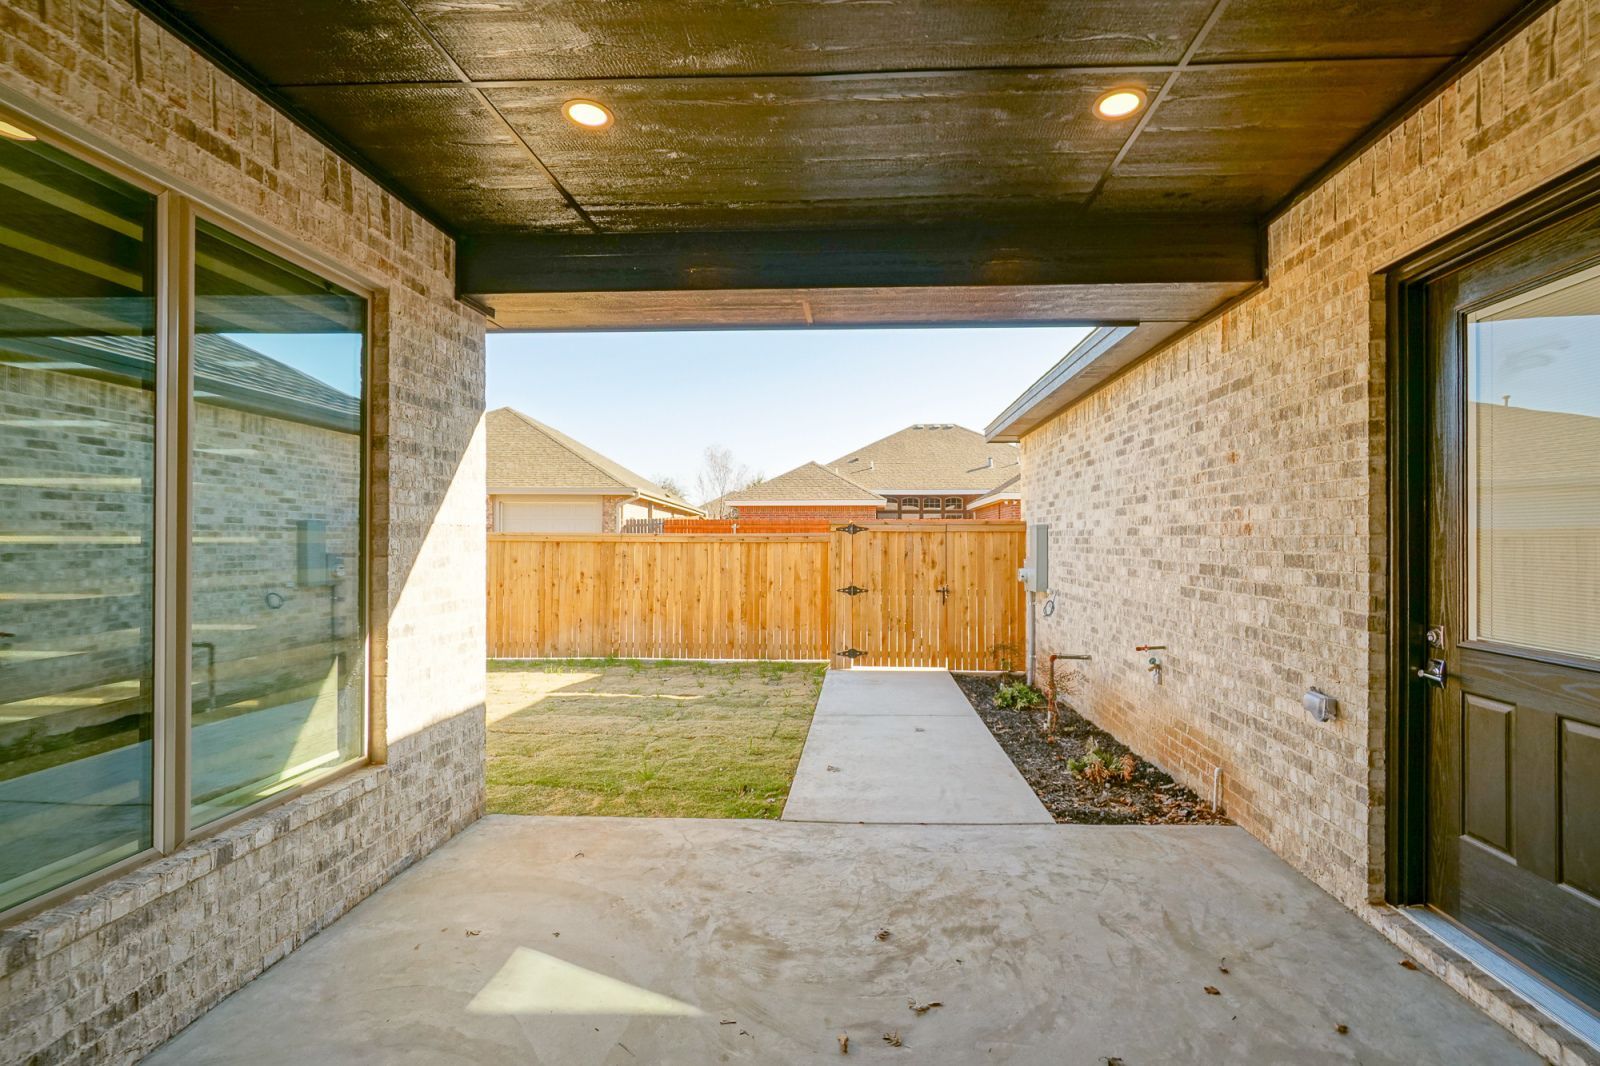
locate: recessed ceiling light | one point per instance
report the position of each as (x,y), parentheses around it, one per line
(15,133)
(587,113)
(1120,103)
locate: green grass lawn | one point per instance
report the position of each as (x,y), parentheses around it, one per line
(647,739)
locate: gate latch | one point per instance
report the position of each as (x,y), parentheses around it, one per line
(852,653)
(852,590)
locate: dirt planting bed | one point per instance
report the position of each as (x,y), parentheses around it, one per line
(1147,797)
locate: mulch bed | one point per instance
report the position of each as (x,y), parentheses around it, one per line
(1151,798)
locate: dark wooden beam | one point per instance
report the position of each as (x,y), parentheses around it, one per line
(972,305)
(1099,253)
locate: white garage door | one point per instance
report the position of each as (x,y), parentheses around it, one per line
(554,514)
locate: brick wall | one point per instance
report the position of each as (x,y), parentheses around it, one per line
(611,513)
(792,514)
(1225,496)
(255,474)
(1000,511)
(108,975)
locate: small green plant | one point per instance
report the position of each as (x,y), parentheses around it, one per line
(1017,696)
(1098,767)
(1006,657)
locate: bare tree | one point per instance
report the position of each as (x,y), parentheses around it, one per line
(673,486)
(721,474)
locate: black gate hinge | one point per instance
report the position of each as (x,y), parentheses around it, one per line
(852,590)
(851,529)
(852,653)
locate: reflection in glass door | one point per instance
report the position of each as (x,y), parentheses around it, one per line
(1533,454)
(77,476)
(278,675)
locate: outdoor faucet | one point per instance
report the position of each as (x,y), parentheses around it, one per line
(1155,661)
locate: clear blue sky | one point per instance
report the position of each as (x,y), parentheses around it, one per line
(776,398)
(332,358)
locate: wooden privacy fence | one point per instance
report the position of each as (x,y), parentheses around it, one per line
(888,594)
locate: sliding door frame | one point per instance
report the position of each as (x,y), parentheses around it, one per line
(179,206)
(1409,418)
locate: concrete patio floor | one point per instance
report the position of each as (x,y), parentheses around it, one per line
(570,941)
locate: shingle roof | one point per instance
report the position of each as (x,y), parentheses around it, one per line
(1010,489)
(931,457)
(809,482)
(225,372)
(527,454)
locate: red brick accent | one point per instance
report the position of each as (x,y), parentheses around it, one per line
(746,525)
(831,514)
(1000,511)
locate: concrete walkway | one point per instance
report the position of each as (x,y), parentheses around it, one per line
(905,746)
(582,941)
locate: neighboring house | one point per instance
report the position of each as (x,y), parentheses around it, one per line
(717,507)
(1004,504)
(923,471)
(807,492)
(543,481)
(277,472)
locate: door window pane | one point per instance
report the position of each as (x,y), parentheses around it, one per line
(77,464)
(1534,469)
(278,679)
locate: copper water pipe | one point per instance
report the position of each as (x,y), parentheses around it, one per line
(1050,689)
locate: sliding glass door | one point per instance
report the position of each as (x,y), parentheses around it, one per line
(277,673)
(77,512)
(181,521)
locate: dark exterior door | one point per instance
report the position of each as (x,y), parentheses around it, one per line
(1514,601)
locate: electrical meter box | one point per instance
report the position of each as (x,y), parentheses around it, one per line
(1035,572)
(311,552)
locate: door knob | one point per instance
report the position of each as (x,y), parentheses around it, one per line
(1434,670)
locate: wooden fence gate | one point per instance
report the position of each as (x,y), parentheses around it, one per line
(887,594)
(929,594)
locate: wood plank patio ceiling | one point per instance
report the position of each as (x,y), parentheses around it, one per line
(762,119)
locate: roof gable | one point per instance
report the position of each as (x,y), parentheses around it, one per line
(811,482)
(524,453)
(931,457)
